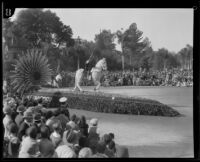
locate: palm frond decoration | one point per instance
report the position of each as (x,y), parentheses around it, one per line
(31,71)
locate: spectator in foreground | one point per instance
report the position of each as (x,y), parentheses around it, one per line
(100,150)
(56,134)
(28,121)
(83,126)
(29,145)
(46,147)
(85,152)
(14,143)
(19,118)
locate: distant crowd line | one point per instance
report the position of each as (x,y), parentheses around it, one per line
(172,77)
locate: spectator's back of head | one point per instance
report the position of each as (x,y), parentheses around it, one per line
(101,147)
(49,114)
(40,101)
(73,117)
(57,112)
(44,130)
(106,139)
(32,132)
(112,135)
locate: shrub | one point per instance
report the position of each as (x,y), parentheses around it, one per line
(101,102)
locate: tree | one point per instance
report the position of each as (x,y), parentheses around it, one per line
(105,40)
(105,47)
(186,57)
(39,26)
(44,30)
(131,40)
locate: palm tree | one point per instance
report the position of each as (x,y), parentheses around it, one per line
(31,71)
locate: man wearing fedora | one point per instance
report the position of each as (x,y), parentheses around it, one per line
(28,121)
(19,118)
(37,122)
(63,102)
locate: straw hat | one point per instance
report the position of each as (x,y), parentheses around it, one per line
(94,121)
(71,124)
(85,152)
(28,114)
(63,99)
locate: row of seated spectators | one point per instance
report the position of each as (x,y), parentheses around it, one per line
(173,77)
(34,131)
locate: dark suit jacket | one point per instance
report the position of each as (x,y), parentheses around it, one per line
(22,130)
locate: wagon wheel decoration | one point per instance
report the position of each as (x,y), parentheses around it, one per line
(31,71)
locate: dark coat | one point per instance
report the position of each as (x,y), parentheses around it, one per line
(22,130)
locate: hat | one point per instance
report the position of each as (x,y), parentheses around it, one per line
(85,152)
(21,108)
(7,109)
(63,99)
(94,121)
(71,124)
(31,109)
(28,114)
(37,117)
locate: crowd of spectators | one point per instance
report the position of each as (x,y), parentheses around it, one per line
(173,77)
(31,130)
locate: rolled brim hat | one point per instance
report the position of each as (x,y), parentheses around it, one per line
(71,124)
(63,99)
(94,121)
(21,108)
(28,114)
(31,109)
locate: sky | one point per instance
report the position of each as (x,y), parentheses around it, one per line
(166,28)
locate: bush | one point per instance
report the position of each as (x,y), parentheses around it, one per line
(101,102)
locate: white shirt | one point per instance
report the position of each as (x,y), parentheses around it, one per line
(6,120)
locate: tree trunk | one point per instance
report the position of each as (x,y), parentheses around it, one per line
(123,62)
(58,66)
(130,60)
